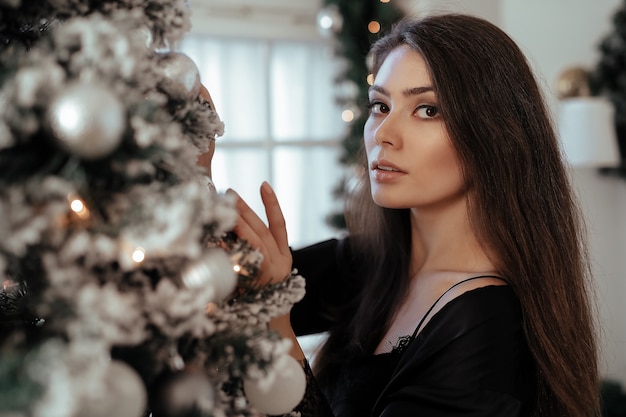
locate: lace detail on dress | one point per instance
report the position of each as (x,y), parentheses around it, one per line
(402,343)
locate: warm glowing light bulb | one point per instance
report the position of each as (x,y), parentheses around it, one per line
(139,254)
(347,116)
(210,308)
(71,118)
(385,1)
(237,268)
(370,79)
(77,205)
(373,26)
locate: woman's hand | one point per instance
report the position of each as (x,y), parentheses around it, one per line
(270,240)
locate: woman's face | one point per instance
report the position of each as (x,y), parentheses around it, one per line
(411,160)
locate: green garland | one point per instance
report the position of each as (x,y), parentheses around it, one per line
(609,77)
(352,42)
(613,399)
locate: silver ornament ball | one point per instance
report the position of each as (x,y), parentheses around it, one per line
(123,394)
(181,78)
(281,393)
(87,120)
(212,271)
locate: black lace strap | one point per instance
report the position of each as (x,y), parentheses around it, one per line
(419,326)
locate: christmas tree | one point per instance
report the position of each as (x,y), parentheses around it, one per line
(609,76)
(123,291)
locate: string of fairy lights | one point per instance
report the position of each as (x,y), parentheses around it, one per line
(353,26)
(78,207)
(330,22)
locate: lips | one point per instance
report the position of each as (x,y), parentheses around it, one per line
(385,168)
(384,165)
(383,171)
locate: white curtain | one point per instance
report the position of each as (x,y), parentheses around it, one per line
(276,99)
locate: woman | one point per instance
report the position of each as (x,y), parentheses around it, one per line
(463,287)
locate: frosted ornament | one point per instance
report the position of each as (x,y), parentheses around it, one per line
(280,392)
(87,120)
(181,76)
(123,394)
(213,269)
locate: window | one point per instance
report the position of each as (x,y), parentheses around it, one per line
(282,125)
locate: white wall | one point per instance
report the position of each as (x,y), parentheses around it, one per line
(256,18)
(555,35)
(604,201)
(487,9)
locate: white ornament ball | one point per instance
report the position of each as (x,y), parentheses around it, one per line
(212,270)
(87,120)
(123,394)
(281,391)
(181,76)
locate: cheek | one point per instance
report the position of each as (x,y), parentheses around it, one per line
(450,167)
(437,163)
(446,152)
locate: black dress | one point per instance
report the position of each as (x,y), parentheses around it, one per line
(470,359)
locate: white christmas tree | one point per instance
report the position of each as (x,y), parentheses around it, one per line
(122,290)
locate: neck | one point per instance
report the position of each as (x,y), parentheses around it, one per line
(443,240)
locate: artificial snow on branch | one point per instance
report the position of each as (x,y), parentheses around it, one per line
(123,291)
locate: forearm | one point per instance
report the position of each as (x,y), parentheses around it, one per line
(314,403)
(282,325)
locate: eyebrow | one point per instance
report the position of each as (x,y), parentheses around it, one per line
(406,92)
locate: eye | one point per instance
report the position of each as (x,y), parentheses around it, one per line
(426,111)
(378,107)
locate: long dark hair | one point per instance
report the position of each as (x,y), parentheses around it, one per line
(521,207)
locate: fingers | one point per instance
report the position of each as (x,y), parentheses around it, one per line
(275,218)
(270,240)
(250,227)
(275,234)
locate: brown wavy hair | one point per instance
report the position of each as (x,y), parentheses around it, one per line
(521,207)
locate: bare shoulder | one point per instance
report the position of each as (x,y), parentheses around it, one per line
(428,296)
(450,290)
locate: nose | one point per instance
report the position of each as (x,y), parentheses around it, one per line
(387,132)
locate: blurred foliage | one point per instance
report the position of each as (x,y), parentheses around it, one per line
(352,42)
(613,399)
(608,78)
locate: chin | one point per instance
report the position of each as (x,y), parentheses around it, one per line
(386,201)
